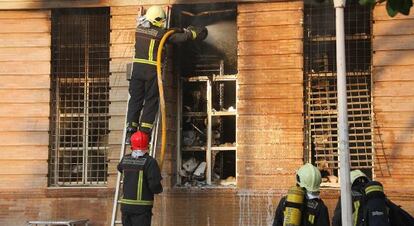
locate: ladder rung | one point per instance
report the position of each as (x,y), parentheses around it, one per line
(118,222)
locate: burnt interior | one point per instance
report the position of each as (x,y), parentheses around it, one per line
(202,66)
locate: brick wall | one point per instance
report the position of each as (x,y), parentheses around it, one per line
(269,126)
(393,102)
(270,93)
(24,98)
(20,206)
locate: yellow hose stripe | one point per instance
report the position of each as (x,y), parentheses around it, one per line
(151,50)
(144,61)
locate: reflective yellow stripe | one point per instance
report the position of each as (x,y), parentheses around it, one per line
(355,213)
(373,188)
(146,125)
(136,202)
(151,50)
(193,34)
(139,191)
(144,61)
(139,200)
(311,218)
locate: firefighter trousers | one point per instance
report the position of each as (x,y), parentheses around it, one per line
(142,219)
(143,89)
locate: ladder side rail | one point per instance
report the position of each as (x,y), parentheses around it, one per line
(119,175)
(154,138)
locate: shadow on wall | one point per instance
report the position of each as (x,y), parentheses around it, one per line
(390,145)
(382,166)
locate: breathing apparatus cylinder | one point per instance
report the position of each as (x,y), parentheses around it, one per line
(376,208)
(293,207)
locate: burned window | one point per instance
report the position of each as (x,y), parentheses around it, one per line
(79,97)
(320,102)
(207,107)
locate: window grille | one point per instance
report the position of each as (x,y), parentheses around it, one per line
(79,97)
(320,97)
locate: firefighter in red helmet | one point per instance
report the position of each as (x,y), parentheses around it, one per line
(142,179)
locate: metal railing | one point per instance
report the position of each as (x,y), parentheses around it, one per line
(320,94)
(79,97)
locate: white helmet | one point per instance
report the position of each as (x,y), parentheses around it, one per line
(155,15)
(355,174)
(309,177)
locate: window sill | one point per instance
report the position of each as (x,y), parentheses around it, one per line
(202,189)
(81,192)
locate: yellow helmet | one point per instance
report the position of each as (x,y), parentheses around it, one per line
(309,177)
(155,15)
(355,174)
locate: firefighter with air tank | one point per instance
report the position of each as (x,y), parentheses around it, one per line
(303,206)
(142,179)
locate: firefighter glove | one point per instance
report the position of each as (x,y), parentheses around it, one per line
(198,33)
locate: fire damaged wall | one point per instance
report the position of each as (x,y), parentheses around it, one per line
(269,66)
(269,125)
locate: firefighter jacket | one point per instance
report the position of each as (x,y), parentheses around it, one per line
(147,41)
(142,179)
(314,213)
(357,208)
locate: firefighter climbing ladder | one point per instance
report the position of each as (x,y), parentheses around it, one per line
(152,148)
(119,181)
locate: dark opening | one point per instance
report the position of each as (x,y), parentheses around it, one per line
(207,75)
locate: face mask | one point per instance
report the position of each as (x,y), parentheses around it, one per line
(312,195)
(143,22)
(137,153)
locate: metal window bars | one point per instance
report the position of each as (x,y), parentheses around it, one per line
(320,94)
(208,122)
(79,97)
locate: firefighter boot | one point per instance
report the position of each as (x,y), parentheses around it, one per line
(131,129)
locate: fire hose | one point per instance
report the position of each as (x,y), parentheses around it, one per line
(162,100)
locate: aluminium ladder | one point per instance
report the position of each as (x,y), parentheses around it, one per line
(119,180)
(152,145)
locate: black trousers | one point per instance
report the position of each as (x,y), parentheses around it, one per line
(143,89)
(142,219)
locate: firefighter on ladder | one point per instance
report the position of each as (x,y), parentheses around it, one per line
(142,179)
(143,87)
(303,206)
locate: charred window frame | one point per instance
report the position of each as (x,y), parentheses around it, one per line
(79,97)
(320,91)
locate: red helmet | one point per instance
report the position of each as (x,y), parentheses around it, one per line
(139,141)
